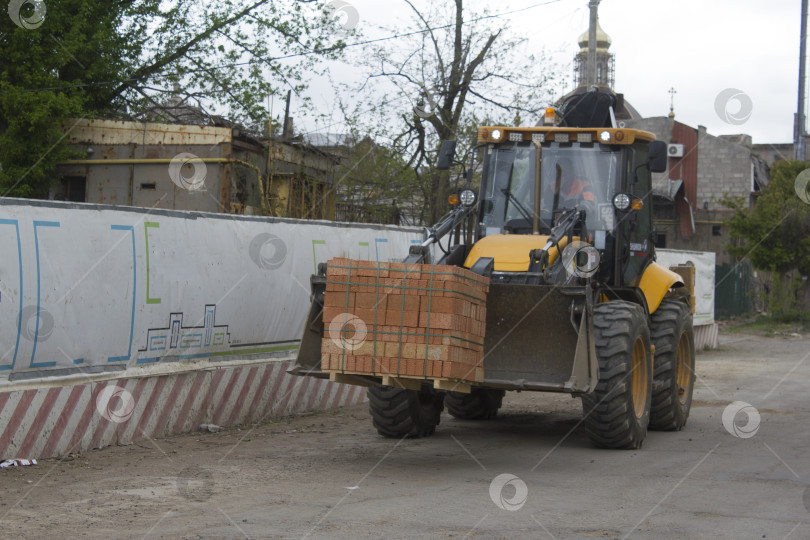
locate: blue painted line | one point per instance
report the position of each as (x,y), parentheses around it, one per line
(78,361)
(377,242)
(19,316)
(158,343)
(147,360)
(186,342)
(134,284)
(39,298)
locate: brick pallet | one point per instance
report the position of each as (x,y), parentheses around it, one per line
(408,321)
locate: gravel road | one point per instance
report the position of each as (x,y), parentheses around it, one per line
(329,474)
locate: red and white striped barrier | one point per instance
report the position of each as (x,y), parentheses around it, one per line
(53,421)
(59,420)
(706,336)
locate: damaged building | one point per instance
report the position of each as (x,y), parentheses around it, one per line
(185,166)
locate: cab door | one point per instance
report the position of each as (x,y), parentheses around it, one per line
(636,226)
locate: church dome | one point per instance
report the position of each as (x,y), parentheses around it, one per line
(603,40)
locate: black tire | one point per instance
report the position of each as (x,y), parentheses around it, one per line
(480,404)
(398,413)
(674,372)
(617,412)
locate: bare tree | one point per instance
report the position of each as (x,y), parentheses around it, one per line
(455,67)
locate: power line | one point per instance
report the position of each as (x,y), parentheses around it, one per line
(398,36)
(312,52)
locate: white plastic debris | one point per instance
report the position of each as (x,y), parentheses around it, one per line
(213,428)
(17,463)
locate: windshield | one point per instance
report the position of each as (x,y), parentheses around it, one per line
(571,175)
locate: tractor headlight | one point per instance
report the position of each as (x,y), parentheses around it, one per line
(496,134)
(621,202)
(467,197)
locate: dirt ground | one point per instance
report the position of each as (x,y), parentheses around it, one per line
(328,474)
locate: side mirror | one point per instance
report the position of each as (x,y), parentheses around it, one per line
(446,155)
(657,158)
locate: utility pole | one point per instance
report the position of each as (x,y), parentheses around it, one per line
(591,78)
(799,149)
(287,130)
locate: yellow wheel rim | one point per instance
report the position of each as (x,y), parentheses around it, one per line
(640,378)
(684,373)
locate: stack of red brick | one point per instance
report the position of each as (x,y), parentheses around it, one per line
(413,321)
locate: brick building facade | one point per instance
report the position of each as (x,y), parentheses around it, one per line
(703,170)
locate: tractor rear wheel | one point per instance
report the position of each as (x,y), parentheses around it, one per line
(398,413)
(674,374)
(480,404)
(617,412)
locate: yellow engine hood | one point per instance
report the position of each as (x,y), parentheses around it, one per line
(511,251)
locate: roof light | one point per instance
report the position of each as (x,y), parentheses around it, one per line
(515,137)
(621,202)
(619,135)
(637,204)
(604,136)
(584,137)
(452,199)
(562,137)
(539,137)
(496,134)
(467,197)
(550,117)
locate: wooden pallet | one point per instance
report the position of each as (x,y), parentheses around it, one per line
(407,383)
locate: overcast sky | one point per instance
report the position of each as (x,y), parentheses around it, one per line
(699,47)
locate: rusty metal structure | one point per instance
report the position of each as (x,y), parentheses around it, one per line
(192,167)
(301,181)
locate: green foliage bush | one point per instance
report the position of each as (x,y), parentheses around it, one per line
(775,236)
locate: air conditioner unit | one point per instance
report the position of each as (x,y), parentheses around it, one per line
(675,150)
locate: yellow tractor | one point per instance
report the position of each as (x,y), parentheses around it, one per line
(562,226)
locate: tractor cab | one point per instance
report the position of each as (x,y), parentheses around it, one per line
(535,178)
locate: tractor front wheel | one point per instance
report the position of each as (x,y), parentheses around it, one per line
(398,413)
(617,412)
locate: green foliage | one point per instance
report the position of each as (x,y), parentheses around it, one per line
(783,299)
(75,45)
(119,58)
(775,234)
(769,326)
(374,184)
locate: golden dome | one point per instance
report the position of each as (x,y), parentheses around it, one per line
(603,40)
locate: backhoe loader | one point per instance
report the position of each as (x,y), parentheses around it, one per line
(562,226)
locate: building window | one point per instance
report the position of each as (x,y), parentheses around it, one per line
(717,230)
(74,188)
(660,240)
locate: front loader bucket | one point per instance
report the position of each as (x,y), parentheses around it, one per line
(308,362)
(531,342)
(309,353)
(537,340)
